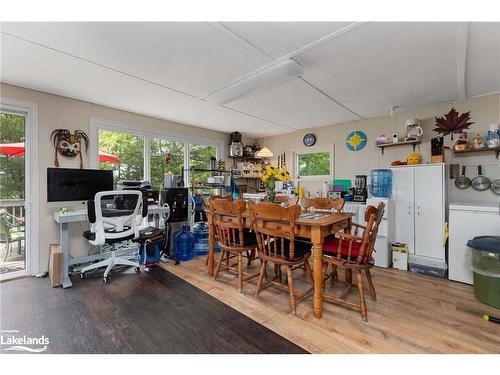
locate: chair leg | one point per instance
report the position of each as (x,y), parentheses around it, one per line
(293,304)
(348,276)
(227,261)
(361,290)
(250,257)
(309,272)
(370,284)
(219,263)
(240,272)
(7,247)
(323,275)
(333,276)
(261,278)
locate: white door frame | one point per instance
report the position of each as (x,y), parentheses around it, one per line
(30,110)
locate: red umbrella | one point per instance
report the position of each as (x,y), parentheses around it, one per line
(12,149)
(109,158)
(17,149)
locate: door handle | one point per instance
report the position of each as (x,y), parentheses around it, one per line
(418,210)
(409,209)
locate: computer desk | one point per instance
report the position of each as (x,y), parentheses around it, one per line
(81,216)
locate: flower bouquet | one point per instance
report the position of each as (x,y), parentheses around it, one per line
(269,177)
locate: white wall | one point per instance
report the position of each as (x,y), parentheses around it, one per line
(61,112)
(484,111)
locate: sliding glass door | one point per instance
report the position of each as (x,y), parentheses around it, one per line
(12,193)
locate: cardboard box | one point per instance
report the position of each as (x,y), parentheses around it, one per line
(55,265)
(437,159)
(400,256)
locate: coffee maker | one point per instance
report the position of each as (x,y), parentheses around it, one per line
(360,190)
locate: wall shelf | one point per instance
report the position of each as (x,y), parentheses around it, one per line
(404,143)
(496,150)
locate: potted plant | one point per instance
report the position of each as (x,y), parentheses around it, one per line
(269,177)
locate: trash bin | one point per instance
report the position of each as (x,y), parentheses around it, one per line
(486,269)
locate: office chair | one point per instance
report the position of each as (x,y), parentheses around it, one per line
(114,218)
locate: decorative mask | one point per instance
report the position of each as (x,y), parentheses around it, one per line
(68,144)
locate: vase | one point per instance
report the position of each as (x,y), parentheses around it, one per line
(270,191)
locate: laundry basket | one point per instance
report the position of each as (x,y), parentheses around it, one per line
(486,269)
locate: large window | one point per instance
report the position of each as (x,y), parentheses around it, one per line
(135,153)
(123,153)
(166,156)
(314,164)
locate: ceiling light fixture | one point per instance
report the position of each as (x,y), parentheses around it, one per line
(264,152)
(270,76)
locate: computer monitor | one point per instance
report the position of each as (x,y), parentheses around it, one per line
(66,184)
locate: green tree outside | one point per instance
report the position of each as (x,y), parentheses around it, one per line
(315,164)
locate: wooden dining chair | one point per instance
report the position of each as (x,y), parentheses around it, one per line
(275,230)
(234,239)
(352,252)
(285,201)
(326,204)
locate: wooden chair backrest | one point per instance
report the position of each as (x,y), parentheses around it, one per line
(323,203)
(229,223)
(286,201)
(206,201)
(373,217)
(273,225)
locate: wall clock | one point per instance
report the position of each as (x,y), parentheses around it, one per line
(356,140)
(309,139)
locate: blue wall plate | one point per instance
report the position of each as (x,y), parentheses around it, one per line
(356,140)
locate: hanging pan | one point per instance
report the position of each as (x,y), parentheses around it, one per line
(462,182)
(480,182)
(495,186)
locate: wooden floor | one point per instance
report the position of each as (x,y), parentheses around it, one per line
(154,312)
(413,314)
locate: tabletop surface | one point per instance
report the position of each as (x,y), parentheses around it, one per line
(326,219)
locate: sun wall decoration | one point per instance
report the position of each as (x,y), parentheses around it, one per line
(356,140)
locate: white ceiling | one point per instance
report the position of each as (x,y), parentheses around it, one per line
(167,69)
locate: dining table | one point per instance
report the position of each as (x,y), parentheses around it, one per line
(314,226)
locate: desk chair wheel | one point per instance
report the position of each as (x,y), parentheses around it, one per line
(105,279)
(83,275)
(137,269)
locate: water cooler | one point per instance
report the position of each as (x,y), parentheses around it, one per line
(177,199)
(383,245)
(381,191)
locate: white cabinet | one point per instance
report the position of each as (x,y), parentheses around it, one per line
(466,222)
(419,211)
(403,196)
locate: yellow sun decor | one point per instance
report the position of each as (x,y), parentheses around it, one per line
(356,140)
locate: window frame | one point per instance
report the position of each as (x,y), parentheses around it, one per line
(97,124)
(314,150)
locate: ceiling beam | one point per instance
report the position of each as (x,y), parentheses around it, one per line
(462,43)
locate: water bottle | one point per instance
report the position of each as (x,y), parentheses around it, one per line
(200,239)
(381,183)
(184,244)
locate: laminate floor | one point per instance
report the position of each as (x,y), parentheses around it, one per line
(153,312)
(413,314)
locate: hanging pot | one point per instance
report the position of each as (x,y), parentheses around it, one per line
(462,182)
(480,182)
(495,186)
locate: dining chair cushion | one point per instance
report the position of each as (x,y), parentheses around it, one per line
(249,238)
(301,249)
(331,245)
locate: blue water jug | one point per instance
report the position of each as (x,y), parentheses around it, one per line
(381,183)
(184,244)
(200,239)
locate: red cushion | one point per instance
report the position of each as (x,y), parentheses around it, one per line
(331,245)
